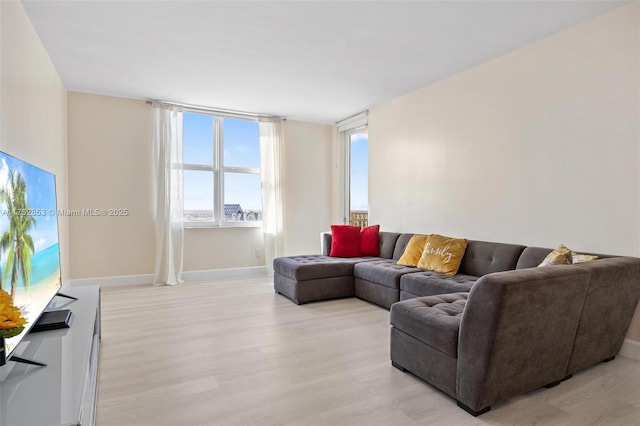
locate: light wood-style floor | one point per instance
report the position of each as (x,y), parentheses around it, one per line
(235,353)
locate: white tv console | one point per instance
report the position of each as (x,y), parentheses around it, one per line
(64,392)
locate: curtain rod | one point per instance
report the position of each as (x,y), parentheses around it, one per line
(353,117)
(215,110)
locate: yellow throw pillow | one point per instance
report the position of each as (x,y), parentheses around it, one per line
(560,256)
(442,254)
(413,251)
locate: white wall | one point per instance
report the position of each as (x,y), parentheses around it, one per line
(33,99)
(222,248)
(540,146)
(110,167)
(308,160)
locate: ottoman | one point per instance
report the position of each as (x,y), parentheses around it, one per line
(306,279)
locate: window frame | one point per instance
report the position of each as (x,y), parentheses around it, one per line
(218,169)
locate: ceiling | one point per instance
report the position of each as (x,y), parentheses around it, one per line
(316,61)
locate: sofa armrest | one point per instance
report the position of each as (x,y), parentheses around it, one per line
(614,289)
(517,332)
(325,243)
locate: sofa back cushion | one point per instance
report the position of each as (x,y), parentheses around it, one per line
(532,257)
(388,243)
(482,258)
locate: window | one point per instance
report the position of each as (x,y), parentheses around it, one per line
(221,163)
(357,176)
(354,162)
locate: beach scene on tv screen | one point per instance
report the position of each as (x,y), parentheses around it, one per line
(29,252)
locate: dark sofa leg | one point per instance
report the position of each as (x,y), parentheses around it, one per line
(566,377)
(472,412)
(398,366)
(552,384)
(611,358)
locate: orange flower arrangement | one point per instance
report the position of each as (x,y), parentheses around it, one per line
(11,320)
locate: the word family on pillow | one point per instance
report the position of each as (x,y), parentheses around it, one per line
(565,256)
(353,241)
(442,254)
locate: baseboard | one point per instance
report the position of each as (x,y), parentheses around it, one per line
(209,275)
(213,275)
(630,349)
(114,281)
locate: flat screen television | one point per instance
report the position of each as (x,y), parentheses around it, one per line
(29,245)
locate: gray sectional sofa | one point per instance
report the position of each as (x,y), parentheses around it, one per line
(499,328)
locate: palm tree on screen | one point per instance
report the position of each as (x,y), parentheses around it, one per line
(17,241)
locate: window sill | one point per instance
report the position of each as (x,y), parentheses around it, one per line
(224,225)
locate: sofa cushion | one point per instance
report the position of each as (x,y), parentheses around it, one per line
(315,266)
(483,257)
(442,254)
(428,283)
(433,320)
(384,272)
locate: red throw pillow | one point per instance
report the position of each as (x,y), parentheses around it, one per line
(345,241)
(370,240)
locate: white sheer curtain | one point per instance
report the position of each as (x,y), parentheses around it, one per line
(271,163)
(168,188)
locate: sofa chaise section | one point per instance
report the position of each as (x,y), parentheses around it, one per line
(306,279)
(313,278)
